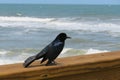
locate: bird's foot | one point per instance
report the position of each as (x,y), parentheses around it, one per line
(52,63)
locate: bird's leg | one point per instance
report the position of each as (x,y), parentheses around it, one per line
(44,59)
(54,62)
(50,63)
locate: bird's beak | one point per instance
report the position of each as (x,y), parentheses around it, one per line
(68,37)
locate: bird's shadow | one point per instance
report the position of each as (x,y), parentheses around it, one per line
(38,65)
(31,66)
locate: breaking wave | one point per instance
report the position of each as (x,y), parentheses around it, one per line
(61,23)
(17,56)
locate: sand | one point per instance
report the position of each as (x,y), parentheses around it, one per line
(100,66)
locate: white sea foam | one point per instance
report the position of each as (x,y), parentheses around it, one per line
(74,52)
(59,23)
(24,19)
(94,51)
(9,61)
(10,57)
(3,52)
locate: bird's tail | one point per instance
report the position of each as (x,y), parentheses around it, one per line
(29,60)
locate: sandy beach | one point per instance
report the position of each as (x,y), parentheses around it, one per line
(101,66)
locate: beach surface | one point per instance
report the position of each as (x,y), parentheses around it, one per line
(101,66)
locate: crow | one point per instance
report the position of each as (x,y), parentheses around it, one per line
(50,52)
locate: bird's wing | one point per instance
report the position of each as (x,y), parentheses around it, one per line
(55,49)
(58,46)
(42,53)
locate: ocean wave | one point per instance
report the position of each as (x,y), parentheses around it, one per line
(94,51)
(3,52)
(24,19)
(74,52)
(19,55)
(61,24)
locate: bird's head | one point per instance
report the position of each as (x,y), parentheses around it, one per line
(62,37)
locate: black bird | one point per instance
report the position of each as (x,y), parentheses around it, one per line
(50,52)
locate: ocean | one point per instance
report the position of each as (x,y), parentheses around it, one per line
(25,29)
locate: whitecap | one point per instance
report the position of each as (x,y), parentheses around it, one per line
(59,24)
(95,51)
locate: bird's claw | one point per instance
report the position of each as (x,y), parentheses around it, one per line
(52,63)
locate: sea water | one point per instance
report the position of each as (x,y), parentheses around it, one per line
(25,29)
